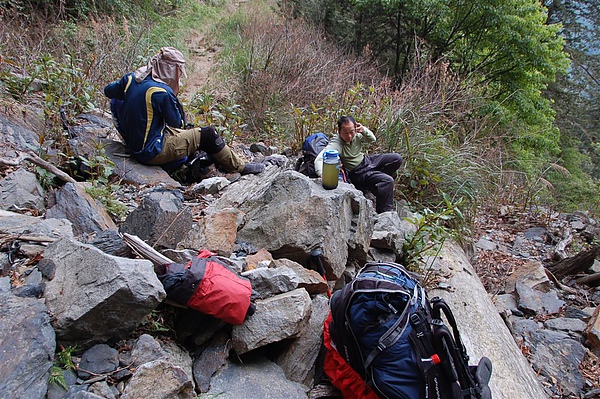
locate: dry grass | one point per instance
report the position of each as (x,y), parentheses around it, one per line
(290,62)
(103,48)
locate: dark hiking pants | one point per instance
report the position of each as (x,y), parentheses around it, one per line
(375,174)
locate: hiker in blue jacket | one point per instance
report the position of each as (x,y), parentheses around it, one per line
(374,173)
(150,118)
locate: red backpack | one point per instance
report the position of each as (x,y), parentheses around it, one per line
(207,285)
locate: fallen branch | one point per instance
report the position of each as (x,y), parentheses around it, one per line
(558,284)
(21,237)
(592,280)
(34,159)
(145,250)
(575,264)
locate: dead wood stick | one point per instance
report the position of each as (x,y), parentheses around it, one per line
(145,250)
(575,264)
(34,159)
(558,284)
(591,280)
(21,237)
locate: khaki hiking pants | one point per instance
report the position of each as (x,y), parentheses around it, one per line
(183,143)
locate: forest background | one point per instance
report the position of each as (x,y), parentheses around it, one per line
(490,103)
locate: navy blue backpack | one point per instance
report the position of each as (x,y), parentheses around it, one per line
(311,147)
(393,336)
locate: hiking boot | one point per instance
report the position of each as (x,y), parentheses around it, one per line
(253,168)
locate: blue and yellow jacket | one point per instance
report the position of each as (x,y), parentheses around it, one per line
(148,108)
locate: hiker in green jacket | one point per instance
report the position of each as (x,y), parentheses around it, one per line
(374,173)
(151,119)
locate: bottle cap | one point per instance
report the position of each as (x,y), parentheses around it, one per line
(330,154)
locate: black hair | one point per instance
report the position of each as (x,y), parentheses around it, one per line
(345,119)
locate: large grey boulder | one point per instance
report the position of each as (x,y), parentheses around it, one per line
(99,359)
(389,232)
(534,302)
(310,280)
(161,219)
(131,171)
(96,297)
(269,281)
(298,359)
(482,329)
(146,349)
(159,379)
(17,134)
(289,215)
(554,354)
(77,206)
(26,347)
(211,359)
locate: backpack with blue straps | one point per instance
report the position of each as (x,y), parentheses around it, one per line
(311,147)
(384,326)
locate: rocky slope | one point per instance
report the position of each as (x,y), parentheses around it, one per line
(69,279)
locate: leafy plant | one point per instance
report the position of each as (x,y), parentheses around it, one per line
(66,84)
(432,230)
(103,194)
(225,116)
(154,322)
(17,85)
(65,357)
(63,360)
(45,178)
(57,377)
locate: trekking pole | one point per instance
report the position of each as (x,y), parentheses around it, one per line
(315,257)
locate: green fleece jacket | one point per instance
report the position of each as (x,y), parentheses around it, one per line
(351,153)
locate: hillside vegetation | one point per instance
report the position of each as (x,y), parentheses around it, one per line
(456,88)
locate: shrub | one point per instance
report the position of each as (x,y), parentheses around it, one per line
(280,61)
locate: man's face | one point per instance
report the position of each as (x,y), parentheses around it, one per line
(347,131)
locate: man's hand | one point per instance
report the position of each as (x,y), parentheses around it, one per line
(359,128)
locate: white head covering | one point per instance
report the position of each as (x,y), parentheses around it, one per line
(166,67)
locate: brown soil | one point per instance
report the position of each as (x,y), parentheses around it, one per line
(201,60)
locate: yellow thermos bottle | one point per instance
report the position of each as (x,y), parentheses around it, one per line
(331,169)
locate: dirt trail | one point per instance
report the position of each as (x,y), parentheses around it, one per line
(200,61)
(202,57)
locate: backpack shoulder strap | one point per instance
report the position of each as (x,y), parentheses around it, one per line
(393,334)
